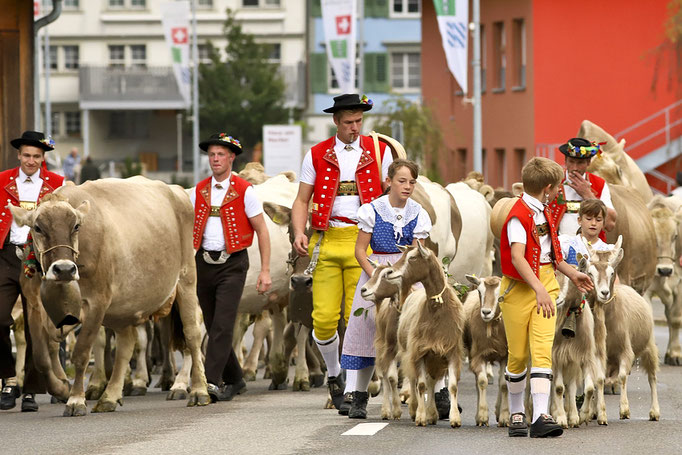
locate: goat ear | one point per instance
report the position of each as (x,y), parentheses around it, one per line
(422,249)
(619,243)
(473,280)
(616,258)
(582,265)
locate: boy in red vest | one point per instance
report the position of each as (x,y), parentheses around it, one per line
(339,174)
(226,214)
(530,252)
(580,185)
(25,186)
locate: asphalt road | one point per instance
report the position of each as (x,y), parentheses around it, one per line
(284,422)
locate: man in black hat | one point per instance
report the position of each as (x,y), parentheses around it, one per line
(226,214)
(25,186)
(339,174)
(579,185)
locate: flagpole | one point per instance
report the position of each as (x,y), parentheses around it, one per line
(195,94)
(476,63)
(361,47)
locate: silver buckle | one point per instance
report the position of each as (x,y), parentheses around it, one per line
(221,260)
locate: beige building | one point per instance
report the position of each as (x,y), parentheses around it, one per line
(112,89)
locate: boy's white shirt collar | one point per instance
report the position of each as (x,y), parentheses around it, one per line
(533,203)
(341,145)
(34,177)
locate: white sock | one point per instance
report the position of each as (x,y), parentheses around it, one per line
(440,384)
(363,379)
(11,381)
(539,390)
(516,390)
(351,380)
(330,353)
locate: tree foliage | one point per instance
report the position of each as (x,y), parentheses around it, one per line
(242,93)
(422,137)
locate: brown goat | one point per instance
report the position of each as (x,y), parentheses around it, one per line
(486,342)
(429,333)
(386,295)
(627,320)
(575,359)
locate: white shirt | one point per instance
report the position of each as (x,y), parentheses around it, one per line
(572,245)
(345,206)
(569,222)
(400,216)
(28,192)
(214,237)
(517,234)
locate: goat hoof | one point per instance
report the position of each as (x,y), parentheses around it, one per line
(317,380)
(249,375)
(138,391)
(456,423)
(673,359)
(176,394)
(654,416)
(329,404)
(624,415)
(302,385)
(280,386)
(481,424)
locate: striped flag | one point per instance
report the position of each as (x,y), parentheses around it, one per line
(339,19)
(175,18)
(453,18)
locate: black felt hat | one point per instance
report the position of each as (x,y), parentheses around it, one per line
(34,138)
(224,140)
(350,101)
(580,148)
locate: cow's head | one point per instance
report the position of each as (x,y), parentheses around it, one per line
(666,226)
(488,293)
(601,268)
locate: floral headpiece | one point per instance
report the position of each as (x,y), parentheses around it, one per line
(585,151)
(48,141)
(365,100)
(225,138)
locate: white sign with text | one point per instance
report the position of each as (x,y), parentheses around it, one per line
(282,148)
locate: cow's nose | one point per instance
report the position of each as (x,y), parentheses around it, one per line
(65,270)
(665,271)
(301,280)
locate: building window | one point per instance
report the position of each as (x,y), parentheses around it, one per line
(500,58)
(53,58)
(519,54)
(56,127)
(204,51)
(129,124)
(519,161)
(484,59)
(71,57)
(460,163)
(484,164)
(261,3)
(275,53)
(115,3)
(405,7)
(70,4)
(138,4)
(73,123)
(500,166)
(405,70)
(138,53)
(205,4)
(116,56)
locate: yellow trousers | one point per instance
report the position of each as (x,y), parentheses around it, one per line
(335,277)
(525,328)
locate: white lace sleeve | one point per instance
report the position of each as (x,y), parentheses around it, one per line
(423,227)
(366,218)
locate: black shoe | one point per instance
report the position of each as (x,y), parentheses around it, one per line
(9,396)
(336,386)
(216,393)
(545,427)
(28,403)
(579,400)
(443,403)
(347,401)
(232,390)
(517,425)
(358,409)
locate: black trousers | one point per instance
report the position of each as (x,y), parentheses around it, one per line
(10,271)
(219,288)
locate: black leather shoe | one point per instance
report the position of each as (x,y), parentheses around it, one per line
(336,386)
(517,425)
(545,427)
(216,393)
(28,403)
(358,409)
(347,402)
(232,390)
(9,396)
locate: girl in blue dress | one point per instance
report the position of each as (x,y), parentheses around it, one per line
(391,220)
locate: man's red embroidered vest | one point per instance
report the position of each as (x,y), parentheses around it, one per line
(10,195)
(236,226)
(367,178)
(533,249)
(557,207)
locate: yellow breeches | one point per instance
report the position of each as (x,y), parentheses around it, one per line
(335,277)
(525,328)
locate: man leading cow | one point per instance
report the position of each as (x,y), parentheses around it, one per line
(22,186)
(339,174)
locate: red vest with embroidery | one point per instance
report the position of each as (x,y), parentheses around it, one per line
(557,207)
(10,195)
(533,249)
(367,178)
(236,226)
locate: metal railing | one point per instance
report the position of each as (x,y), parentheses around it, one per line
(128,84)
(657,128)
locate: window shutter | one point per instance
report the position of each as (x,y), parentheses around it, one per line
(318,72)
(376,72)
(376,8)
(315,8)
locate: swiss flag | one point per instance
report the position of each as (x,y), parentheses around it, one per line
(36,9)
(343,25)
(179,35)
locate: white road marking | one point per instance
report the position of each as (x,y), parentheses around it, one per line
(365,429)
